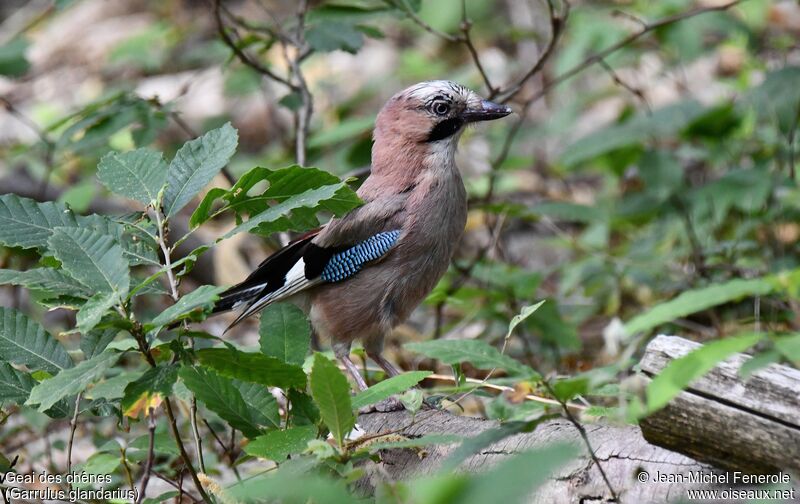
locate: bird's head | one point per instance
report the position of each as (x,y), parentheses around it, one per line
(433,112)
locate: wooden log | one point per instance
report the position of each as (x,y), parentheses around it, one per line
(630,462)
(749,425)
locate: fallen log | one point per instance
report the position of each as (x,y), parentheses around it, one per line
(631,463)
(750,425)
(721,425)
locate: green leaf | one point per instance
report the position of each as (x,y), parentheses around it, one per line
(23,341)
(331,393)
(523,314)
(681,372)
(93,310)
(789,347)
(196,164)
(202,297)
(262,404)
(220,396)
(50,280)
(565,211)
(71,381)
(693,301)
(13,62)
(291,486)
(15,385)
(113,388)
(253,367)
(515,478)
(308,199)
(155,381)
(26,223)
(478,353)
(94,342)
(665,122)
(278,444)
(283,184)
(92,258)
(285,333)
(334,35)
(388,387)
(138,175)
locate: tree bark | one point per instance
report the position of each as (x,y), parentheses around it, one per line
(748,425)
(622,451)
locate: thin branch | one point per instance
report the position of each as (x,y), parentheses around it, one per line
(198,443)
(597,57)
(557,23)
(466,38)
(148,467)
(243,56)
(403,6)
(73,425)
(582,431)
(635,91)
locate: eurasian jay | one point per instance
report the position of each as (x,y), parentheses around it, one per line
(362,274)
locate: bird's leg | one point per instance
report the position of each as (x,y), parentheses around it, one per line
(383,363)
(342,352)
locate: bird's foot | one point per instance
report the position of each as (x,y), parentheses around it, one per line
(386,406)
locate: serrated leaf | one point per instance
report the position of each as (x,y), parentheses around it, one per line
(308,199)
(71,381)
(93,310)
(285,333)
(15,385)
(155,381)
(26,223)
(284,184)
(253,367)
(262,404)
(138,175)
(23,341)
(388,387)
(49,280)
(681,372)
(196,164)
(202,297)
(113,388)
(696,300)
(331,393)
(278,444)
(220,396)
(94,342)
(478,353)
(92,258)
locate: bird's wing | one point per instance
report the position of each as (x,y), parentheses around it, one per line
(331,254)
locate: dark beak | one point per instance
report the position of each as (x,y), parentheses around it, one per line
(487,111)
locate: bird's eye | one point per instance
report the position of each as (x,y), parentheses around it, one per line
(441,108)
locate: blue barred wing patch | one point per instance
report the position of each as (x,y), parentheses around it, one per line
(347,263)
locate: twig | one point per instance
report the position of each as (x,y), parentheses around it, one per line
(243,56)
(49,145)
(403,6)
(557,23)
(637,92)
(595,58)
(198,443)
(148,467)
(73,425)
(585,437)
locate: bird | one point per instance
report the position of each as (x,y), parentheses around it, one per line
(362,274)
